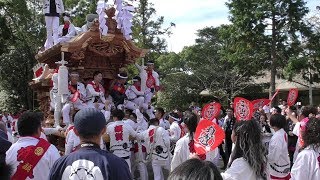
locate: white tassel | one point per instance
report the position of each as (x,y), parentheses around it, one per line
(124,18)
(101,7)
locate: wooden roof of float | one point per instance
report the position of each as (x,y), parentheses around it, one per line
(88,51)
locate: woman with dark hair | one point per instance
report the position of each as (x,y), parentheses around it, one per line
(185,146)
(195,169)
(264,124)
(248,160)
(306,166)
(278,158)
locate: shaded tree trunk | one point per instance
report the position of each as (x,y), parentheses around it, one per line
(310,88)
(273,59)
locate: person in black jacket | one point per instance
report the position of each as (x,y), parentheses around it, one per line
(118,89)
(90,162)
(5,170)
(229,122)
(264,124)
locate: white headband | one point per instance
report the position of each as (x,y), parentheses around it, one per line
(123,77)
(176,119)
(74,74)
(66,18)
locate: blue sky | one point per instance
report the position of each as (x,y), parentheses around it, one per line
(191,15)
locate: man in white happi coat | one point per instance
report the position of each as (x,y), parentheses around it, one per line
(95,92)
(176,131)
(159,114)
(31,157)
(158,148)
(73,141)
(67,31)
(139,148)
(52,10)
(119,134)
(76,99)
(135,95)
(278,159)
(8,120)
(150,83)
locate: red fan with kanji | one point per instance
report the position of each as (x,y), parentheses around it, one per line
(260,103)
(207,137)
(211,111)
(243,109)
(292,96)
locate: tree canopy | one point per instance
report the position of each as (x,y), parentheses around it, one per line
(273,35)
(268,33)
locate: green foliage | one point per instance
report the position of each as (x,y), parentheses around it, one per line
(267,33)
(79,10)
(307,63)
(23,34)
(148,32)
(198,67)
(180,89)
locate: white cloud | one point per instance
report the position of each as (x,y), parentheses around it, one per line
(185,34)
(192,15)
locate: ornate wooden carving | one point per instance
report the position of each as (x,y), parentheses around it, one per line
(78,55)
(105,49)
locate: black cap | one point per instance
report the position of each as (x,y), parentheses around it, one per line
(89,121)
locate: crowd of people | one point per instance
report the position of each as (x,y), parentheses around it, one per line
(278,143)
(115,132)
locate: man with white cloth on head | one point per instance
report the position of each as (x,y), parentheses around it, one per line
(76,99)
(135,95)
(150,83)
(66,31)
(118,90)
(95,92)
(176,131)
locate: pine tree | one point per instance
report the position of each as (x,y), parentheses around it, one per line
(270,31)
(22,33)
(148,32)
